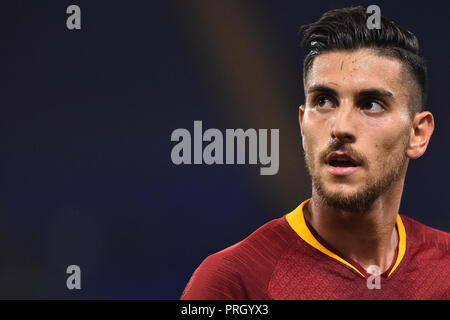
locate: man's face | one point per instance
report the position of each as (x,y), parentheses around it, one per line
(355,126)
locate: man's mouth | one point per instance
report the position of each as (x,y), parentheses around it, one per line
(341,164)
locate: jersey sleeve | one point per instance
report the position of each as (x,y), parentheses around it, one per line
(217,278)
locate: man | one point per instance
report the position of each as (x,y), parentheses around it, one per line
(362,121)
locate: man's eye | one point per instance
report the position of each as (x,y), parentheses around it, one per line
(373,106)
(323,102)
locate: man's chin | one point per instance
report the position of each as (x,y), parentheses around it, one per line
(339,196)
(350,203)
(342,189)
(347,198)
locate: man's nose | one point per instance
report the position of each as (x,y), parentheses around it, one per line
(343,126)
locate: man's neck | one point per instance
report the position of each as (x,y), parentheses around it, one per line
(368,238)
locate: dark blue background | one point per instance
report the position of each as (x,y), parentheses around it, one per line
(86,118)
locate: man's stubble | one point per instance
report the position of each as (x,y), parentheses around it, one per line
(361,200)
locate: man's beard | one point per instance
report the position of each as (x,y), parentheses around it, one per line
(362,199)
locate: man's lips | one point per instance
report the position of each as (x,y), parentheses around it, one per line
(340,163)
(341,157)
(341,171)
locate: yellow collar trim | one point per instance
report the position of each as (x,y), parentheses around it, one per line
(401,243)
(297,222)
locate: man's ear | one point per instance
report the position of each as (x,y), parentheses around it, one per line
(423,126)
(301,113)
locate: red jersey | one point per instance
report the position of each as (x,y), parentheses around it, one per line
(285,259)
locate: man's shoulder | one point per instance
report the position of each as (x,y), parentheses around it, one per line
(269,240)
(423,235)
(245,266)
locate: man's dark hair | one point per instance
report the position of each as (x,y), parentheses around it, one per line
(346,29)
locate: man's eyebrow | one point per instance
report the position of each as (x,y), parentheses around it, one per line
(371,92)
(376,92)
(321,89)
